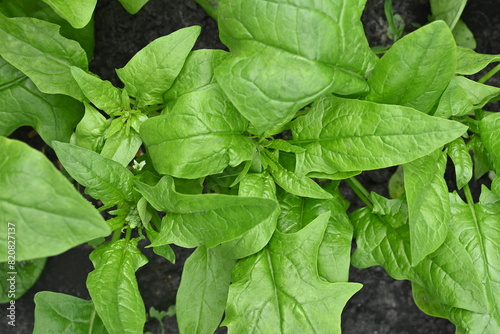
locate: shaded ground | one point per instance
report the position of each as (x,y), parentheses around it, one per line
(383,305)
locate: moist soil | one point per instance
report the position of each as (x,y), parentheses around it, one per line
(383,305)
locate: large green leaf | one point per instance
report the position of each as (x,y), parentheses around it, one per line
(288,53)
(21,104)
(342,135)
(152,70)
(49,215)
(25,274)
(383,239)
(278,290)
(448,11)
(60,313)
(113,286)
(37,49)
(201,298)
(428,204)
(201,135)
(77,12)
(208,219)
(103,178)
(413,72)
(490,136)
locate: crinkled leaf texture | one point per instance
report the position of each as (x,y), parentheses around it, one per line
(278,290)
(342,135)
(201,135)
(50,215)
(36,48)
(288,53)
(208,219)
(21,104)
(460,274)
(113,286)
(416,69)
(103,178)
(201,298)
(77,12)
(477,228)
(152,70)
(60,313)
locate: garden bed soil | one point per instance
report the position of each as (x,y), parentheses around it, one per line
(383,305)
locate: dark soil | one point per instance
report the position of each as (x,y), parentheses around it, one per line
(383,305)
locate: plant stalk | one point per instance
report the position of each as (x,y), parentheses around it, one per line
(360,191)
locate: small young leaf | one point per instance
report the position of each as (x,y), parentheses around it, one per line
(60,313)
(122,147)
(428,204)
(37,49)
(458,152)
(342,135)
(104,179)
(464,36)
(208,219)
(396,183)
(133,6)
(470,62)
(47,211)
(151,72)
(448,11)
(77,12)
(412,72)
(201,298)
(278,290)
(89,133)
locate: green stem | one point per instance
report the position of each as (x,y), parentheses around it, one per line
(116,235)
(361,191)
(468,196)
(128,234)
(488,75)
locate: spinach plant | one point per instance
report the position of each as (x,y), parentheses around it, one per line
(221,152)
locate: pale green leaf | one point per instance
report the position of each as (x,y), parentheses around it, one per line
(459,154)
(77,12)
(490,136)
(133,6)
(37,49)
(470,62)
(113,287)
(208,219)
(89,132)
(201,135)
(283,57)
(342,135)
(152,70)
(448,11)
(428,204)
(464,36)
(278,290)
(122,147)
(201,298)
(60,313)
(49,215)
(416,69)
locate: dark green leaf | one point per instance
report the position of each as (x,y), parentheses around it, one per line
(25,273)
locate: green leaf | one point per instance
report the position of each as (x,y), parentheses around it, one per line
(463,36)
(448,11)
(252,241)
(49,215)
(428,204)
(283,145)
(37,49)
(463,96)
(342,135)
(89,133)
(412,73)
(77,12)
(335,249)
(448,273)
(101,93)
(133,6)
(152,70)
(26,274)
(52,116)
(396,185)
(210,6)
(196,74)
(285,55)
(278,290)
(209,219)
(470,62)
(459,154)
(490,136)
(61,313)
(201,298)
(201,135)
(122,146)
(113,286)
(103,178)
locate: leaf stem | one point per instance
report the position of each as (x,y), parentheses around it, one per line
(116,234)
(488,75)
(360,191)
(468,195)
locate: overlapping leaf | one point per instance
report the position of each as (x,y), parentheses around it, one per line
(490,137)
(448,11)
(77,12)
(286,54)
(470,62)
